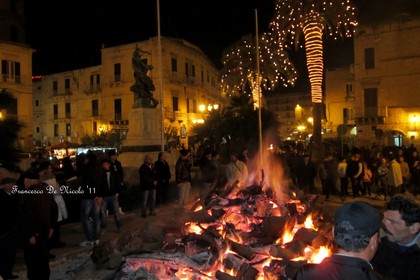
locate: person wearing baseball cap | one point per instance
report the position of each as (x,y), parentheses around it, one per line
(356,234)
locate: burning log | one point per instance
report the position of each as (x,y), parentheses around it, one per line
(289,250)
(274,226)
(240,249)
(247,272)
(224,276)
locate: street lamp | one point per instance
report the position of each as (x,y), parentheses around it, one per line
(414,119)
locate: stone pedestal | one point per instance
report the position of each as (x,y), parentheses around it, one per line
(143,131)
(143,138)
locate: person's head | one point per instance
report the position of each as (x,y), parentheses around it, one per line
(384,160)
(400,158)
(215,155)
(148,159)
(356,156)
(356,228)
(162,156)
(185,154)
(46,167)
(402,219)
(233,156)
(106,164)
(112,155)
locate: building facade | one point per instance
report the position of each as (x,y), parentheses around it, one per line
(294,113)
(377,99)
(74,104)
(16,69)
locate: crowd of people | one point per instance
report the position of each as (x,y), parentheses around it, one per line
(36,209)
(382,173)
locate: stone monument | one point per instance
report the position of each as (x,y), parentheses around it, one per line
(143,135)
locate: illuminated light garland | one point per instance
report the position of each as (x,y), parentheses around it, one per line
(311,17)
(239,65)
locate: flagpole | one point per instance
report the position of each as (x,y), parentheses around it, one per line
(162,126)
(258,83)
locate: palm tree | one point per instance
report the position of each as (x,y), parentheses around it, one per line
(240,65)
(9,130)
(313,18)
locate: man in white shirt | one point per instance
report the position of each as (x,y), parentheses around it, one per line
(236,171)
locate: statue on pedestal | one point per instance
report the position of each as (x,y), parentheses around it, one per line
(143,87)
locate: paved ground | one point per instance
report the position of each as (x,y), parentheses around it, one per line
(72,233)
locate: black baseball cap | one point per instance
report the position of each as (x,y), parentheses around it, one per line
(357,218)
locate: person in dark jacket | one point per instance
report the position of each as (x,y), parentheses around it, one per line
(163,175)
(109,189)
(117,166)
(307,173)
(90,204)
(39,214)
(356,234)
(355,172)
(398,255)
(148,184)
(9,217)
(183,176)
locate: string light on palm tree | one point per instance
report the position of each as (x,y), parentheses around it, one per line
(313,18)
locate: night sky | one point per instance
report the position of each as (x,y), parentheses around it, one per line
(69,34)
(84,26)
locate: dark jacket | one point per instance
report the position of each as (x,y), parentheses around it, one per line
(338,267)
(182,171)
(353,168)
(147,177)
(9,212)
(391,261)
(39,212)
(163,171)
(108,188)
(208,170)
(116,166)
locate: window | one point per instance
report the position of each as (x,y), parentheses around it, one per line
(117,72)
(193,70)
(67,86)
(202,76)
(55,111)
(68,129)
(117,110)
(194,106)
(174,65)
(188,105)
(175,104)
(95,108)
(10,71)
(36,103)
(369,58)
(371,102)
(95,127)
(186,69)
(37,129)
(56,130)
(95,81)
(68,111)
(55,87)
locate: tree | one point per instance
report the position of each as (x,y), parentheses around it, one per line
(9,131)
(312,18)
(240,65)
(234,128)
